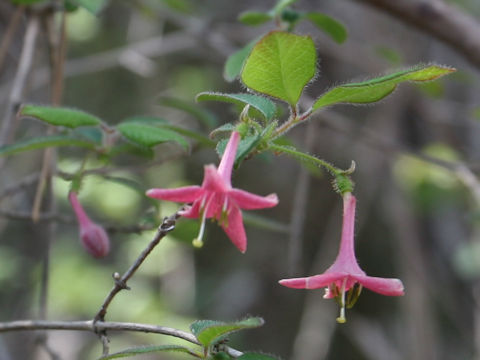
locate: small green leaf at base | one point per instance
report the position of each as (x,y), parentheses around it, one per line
(234,64)
(149,349)
(280,65)
(266,107)
(208,332)
(254,18)
(57,116)
(329,25)
(42,143)
(149,136)
(376,89)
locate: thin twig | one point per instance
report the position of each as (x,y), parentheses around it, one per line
(23,215)
(167,225)
(9,33)
(91,325)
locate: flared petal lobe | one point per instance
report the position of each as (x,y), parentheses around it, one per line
(248,201)
(312,282)
(235,229)
(186,194)
(383,286)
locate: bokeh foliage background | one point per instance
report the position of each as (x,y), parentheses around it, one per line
(416,219)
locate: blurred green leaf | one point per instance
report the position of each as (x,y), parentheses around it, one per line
(282,4)
(131,148)
(389,54)
(205,117)
(221,356)
(376,89)
(59,116)
(234,64)
(147,120)
(149,136)
(256,356)
(94,6)
(44,142)
(202,139)
(183,6)
(434,89)
(329,25)
(149,349)
(266,107)
(92,134)
(209,332)
(254,18)
(280,65)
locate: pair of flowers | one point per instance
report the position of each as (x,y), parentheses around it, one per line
(217,199)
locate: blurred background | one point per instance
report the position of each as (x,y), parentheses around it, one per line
(418,194)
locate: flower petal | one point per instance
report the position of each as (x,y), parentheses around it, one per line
(313,282)
(388,287)
(248,201)
(235,229)
(212,181)
(228,158)
(182,194)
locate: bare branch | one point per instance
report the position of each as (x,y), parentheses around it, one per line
(167,225)
(445,22)
(8,37)
(90,325)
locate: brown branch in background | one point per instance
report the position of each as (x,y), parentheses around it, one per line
(20,79)
(167,225)
(445,22)
(8,36)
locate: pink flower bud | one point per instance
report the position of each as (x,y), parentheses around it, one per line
(93,237)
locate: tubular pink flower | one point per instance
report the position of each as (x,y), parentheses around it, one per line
(216,198)
(92,236)
(345,276)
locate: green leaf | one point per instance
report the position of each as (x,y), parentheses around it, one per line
(147,120)
(206,117)
(60,116)
(228,127)
(209,332)
(149,136)
(282,4)
(202,139)
(254,18)
(234,64)
(256,356)
(149,349)
(376,89)
(182,6)
(280,65)
(247,144)
(266,107)
(43,142)
(94,6)
(329,25)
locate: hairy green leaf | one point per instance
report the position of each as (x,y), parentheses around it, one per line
(254,18)
(282,4)
(149,136)
(329,25)
(266,107)
(44,142)
(206,117)
(149,349)
(228,127)
(209,332)
(376,89)
(234,64)
(280,65)
(60,116)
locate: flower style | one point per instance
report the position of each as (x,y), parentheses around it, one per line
(345,274)
(92,236)
(216,198)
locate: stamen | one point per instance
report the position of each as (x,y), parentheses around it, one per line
(198,241)
(224,214)
(353,295)
(341,319)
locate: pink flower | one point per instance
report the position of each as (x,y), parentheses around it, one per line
(217,199)
(93,237)
(345,275)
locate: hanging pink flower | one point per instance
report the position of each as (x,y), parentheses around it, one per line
(216,198)
(345,276)
(92,236)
